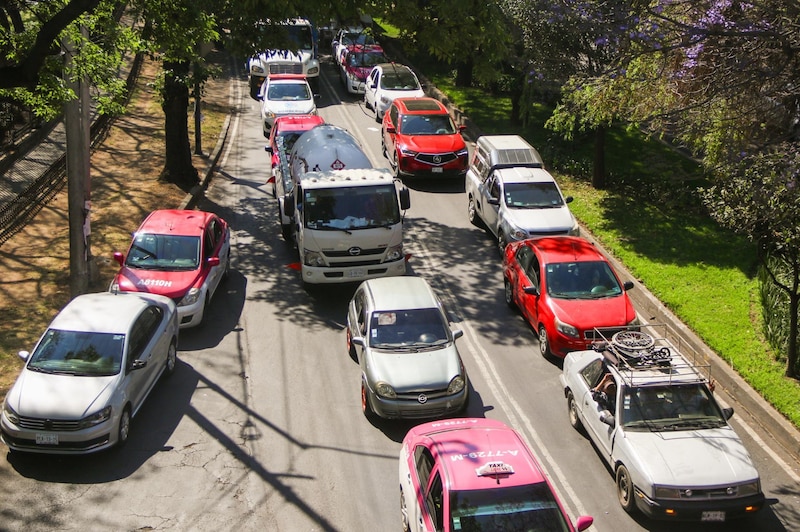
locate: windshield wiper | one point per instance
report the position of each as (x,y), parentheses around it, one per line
(329,226)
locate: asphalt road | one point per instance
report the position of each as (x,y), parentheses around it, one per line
(260,428)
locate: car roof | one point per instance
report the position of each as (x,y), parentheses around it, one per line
(104,312)
(393,66)
(403,292)
(524,174)
(297,122)
(464,446)
(566,249)
(176,222)
(365,48)
(509,150)
(419,105)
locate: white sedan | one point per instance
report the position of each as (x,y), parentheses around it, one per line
(90,373)
(386,82)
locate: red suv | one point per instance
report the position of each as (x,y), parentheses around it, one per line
(420,139)
(566,289)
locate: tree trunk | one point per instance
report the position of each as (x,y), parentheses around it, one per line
(794,302)
(516,102)
(178,166)
(464,73)
(599,172)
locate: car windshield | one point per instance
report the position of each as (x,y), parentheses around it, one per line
(438,124)
(348,208)
(668,408)
(416,328)
(511,509)
(366,59)
(164,252)
(581,280)
(399,80)
(288,92)
(78,353)
(532,195)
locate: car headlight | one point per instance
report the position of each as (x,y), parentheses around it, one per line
(463,153)
(394,253)
(190,298)
(11,416)
(456,385)
(566,328)
(95,419)
(515,232)
(662,492)
(576,230)
(313,71)
(751,488)
(384,389)
(385,100)
(313,258)
(407,152)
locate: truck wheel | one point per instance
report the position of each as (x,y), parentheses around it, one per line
(625,490)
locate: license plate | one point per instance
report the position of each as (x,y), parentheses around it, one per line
(436,169)
(355,273)
(712,516)
(47,439)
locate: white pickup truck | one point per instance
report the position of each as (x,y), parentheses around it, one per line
(510,194)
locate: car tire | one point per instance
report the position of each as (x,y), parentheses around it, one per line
(378,118)
(366,408)
(172,359)
(383,148)
(404,512)
(625,489)
(226,273)
(396,165)
(124,427)
(502,242)
(572,411)
(508,293)
(544,342)
(351,349)
(472,213)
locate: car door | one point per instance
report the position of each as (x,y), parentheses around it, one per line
(528,275)
(601,433)
(392,119)
(427,489)
(147,352)
(491,195)
(357,321)
(216,244)
(371,88)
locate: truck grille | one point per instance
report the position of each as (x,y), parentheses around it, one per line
(285,68)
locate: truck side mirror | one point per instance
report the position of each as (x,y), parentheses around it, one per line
(288,205)
(405,199)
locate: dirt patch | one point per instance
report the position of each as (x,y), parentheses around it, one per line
(34,264)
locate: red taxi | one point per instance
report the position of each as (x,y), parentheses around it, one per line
(286,130)
(420,139)
(476,474)
(181,254)
(566,289)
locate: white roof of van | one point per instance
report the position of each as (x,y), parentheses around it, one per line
(524,174)
(349,177)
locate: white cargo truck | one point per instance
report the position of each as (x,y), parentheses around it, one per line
(348,216)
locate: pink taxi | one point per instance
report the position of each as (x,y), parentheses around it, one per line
(476,474)
(181,254)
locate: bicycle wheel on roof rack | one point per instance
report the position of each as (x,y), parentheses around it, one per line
(632,343)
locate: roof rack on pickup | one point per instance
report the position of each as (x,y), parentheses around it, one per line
(642,357)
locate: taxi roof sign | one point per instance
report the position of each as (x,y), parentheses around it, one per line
(495,469)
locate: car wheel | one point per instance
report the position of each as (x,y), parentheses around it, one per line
(204,310)
(383,148)
(378,117)
(365,406)
(625,490)
(544,343)
(396,165)
(572,409)
(472,213)
(124,427)
(351,349)
(172,359)
(508,290)
(404,512)
(502,241)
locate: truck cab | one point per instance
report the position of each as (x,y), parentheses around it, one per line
(299,58)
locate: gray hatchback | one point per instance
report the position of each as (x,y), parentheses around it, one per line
(398,331)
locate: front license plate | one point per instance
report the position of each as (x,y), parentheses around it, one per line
(47,439)
(436,169)
(712,516)
(355,273)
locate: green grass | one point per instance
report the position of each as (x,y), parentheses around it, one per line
(651,218)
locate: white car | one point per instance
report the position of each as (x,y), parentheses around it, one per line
(285,94)
(386,82)
(657,425)
(90,373)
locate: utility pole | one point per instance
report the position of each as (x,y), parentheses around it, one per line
(77,124)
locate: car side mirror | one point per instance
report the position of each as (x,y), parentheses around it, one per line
(727,413)
(457,333)
(358,340)
(607,418)
(627,285)
(212,261)
(461,128)
(138,364)
(24,355)
(391,130)
(119,258)
(569,199)
(531,290)
(268,149)
(583,522)
(493,201)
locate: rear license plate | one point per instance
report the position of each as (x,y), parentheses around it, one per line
(47,439)
(436,169)
(355,273)
(712,516)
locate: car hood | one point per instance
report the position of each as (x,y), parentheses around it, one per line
(433,143)
(293,107)
(612,311)
(541,220)
(708,457)
(360,73)
(173,284)
(43,395)
(392,94)
(408,371)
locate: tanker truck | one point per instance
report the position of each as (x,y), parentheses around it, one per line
(348,216)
